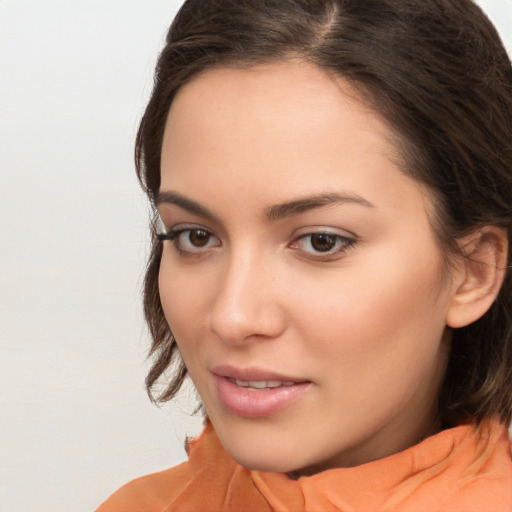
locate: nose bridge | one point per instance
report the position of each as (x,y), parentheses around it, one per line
(247,303)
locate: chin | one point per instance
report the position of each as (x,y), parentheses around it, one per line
(261,464)
(269,458)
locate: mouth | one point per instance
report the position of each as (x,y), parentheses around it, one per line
(258,385)
(256,393)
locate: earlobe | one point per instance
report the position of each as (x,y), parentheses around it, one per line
(479,275)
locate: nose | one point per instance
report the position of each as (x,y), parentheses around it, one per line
(247,305)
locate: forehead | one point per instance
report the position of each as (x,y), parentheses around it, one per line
(294,95)
(290,125)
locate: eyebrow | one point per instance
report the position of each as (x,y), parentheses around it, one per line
(304,204)
(274,212)
(169,197)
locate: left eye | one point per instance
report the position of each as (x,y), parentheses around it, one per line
(191,239)
(322,243)
(197,238)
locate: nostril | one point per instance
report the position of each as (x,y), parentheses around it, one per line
(240,322)
(246,306)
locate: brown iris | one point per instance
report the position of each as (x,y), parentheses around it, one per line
(199,237)
(323,242)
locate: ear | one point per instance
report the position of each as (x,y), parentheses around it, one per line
(478,276)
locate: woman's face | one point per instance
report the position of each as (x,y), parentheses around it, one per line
(303,282)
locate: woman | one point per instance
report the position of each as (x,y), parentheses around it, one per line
(331,182)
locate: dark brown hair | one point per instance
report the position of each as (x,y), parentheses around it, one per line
(437,71)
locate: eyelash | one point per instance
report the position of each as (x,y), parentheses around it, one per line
(174,235)
(342,243)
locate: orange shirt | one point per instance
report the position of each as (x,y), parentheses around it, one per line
(459,469)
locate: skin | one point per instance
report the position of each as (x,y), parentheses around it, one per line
(364,324)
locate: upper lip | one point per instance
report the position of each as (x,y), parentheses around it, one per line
(252,373)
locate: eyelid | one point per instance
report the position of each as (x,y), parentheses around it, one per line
(316,229)
(169,233)
(349,240)
(173,235)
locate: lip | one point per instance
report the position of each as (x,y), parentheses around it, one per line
(253,373)
(251,403)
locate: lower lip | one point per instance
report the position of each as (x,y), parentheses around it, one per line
(257,403)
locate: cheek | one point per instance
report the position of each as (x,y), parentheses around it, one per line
(182,297)
(374,337)
(392,298)
(167,288)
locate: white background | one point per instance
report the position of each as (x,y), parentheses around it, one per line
(75,422)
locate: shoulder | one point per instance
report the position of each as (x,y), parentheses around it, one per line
(193,483)
(149,493)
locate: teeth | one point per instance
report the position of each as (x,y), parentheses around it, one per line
(258,384)
(261,384)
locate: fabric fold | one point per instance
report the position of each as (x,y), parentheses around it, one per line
(458,469)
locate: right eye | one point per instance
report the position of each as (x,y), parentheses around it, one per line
(191,239)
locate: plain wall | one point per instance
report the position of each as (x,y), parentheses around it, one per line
(75,419)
